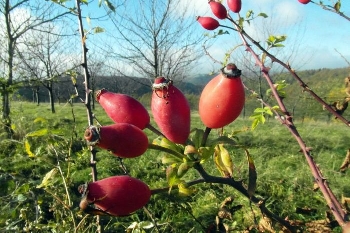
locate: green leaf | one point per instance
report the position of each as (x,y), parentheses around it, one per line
(169,159)
(252,175)
(255,123)
(171,176)
(240,22)
(110,5)
(263,15)
(223,139)
(278,45)
(205,153)
(197,135)
(183,168)
(98,30)
(337,6)
(249,14)
(164,142)
(222,32)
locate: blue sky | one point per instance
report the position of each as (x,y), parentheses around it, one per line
(316,38)
(313,34)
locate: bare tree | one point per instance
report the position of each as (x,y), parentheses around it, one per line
(45,57)
(18,18)
(155,38)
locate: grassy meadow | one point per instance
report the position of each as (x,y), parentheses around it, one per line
(284,179)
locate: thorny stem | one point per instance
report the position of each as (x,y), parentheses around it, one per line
(330,198)
(88,99)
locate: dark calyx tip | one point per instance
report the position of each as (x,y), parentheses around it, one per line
(231,71)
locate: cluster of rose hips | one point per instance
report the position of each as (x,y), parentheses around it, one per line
(220,11)
(220,103)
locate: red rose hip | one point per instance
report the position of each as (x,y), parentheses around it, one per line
(118,195)
(222,99)
(170,110)
(122,108)
(234,5)
(218,9)
(304,1)
(208,23)
(122,139)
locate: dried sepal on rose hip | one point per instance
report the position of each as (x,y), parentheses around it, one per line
(122,139)
(208,23)
(222,99)
(115,195)
(170,110)
(218,9)
(123,108)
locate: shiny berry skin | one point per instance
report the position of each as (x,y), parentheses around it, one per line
(222,99)
(118,195)
(123,108)
(234,5)
(208,23)
(170,110)
(122,139)
(218,9)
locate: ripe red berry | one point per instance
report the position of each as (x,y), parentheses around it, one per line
(304,1)
(218,9)
(234,5)
(122,108)
(208,23)
(222,99)
(118,195)
(170,110)
(122,139)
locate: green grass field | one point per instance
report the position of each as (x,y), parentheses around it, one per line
(284,179)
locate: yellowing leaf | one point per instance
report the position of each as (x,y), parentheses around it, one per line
(221,154)
(27,148)
(226,159)
(48,177)
(184,190)
(38,133)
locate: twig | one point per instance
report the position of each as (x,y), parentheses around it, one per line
(88,99)
(331,9)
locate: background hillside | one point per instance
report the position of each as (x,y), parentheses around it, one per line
(327,83)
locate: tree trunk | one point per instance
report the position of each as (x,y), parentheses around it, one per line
(37,97)
(6,111)
(52,103)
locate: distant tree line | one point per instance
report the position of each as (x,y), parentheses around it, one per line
(328,83)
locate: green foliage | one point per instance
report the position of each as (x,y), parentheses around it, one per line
(61,164)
